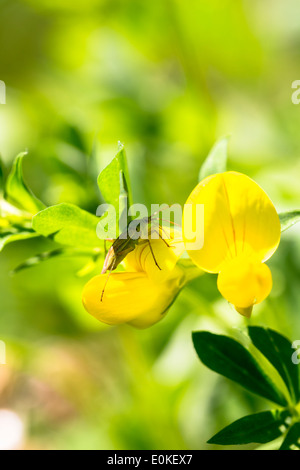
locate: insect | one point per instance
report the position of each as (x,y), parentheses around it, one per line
(127,242)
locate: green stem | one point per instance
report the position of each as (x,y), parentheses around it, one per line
(191,271)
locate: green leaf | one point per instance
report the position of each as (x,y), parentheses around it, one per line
(69,225)
(216,162)
(277,349)
(288,219)
(71,134)
(229,358)
(39,258)
(1,180)
(257,428)
(12,235)
(17,191)
(35,260)
(292,439)
(114,183)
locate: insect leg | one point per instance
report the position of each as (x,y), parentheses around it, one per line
(150,246)
(169,246)
(166,233)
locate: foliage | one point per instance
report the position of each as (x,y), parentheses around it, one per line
(99,72)
(228,357)
(76,230)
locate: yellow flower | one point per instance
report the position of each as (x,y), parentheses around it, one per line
(159,265)
(130,297)
(143,293)
(241,232)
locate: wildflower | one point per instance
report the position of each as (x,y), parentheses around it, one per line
(241,232)
(130,297)
(143,293)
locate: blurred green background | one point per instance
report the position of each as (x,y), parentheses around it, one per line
(166,78)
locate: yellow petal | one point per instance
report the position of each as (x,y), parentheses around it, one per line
(129,297)
(158,257)
(239,218)
(245,282)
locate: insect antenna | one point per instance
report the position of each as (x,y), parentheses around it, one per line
(165,220)
(112,268)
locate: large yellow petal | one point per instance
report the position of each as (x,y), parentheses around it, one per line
(129,297)
(239,218)
(157,257)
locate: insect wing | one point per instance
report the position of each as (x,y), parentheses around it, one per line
(117,252)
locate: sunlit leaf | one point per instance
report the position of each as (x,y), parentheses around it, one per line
(257,428)
(114,183)
(216,162)
(16,190)
(277,349)
(69,225)
(1,180)
(229,358)
(288,219)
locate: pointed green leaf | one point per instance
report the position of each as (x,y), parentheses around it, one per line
(278,350)
(229,358)
(17,191)
(114,183)
(292,439)
(69,225)
(288,219)
(258,428)
(216,162)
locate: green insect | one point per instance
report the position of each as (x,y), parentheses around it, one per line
(127,242)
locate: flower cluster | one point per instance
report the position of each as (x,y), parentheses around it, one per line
(241,232)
